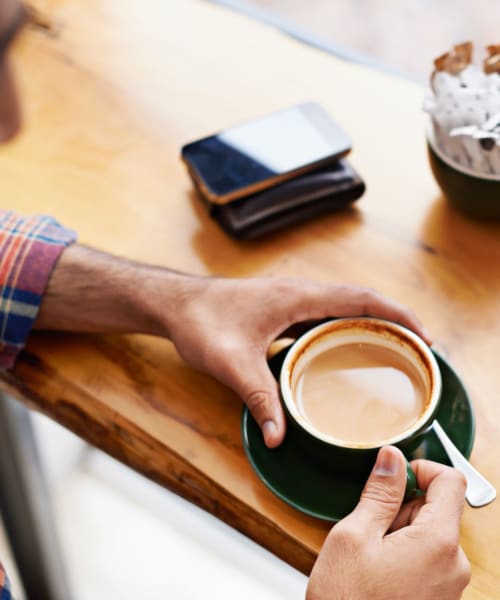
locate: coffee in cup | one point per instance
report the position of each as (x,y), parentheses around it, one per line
(360,393)
(350,386)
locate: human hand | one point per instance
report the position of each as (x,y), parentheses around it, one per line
(384,550)
(224,327)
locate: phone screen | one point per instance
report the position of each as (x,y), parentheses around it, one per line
(258,154)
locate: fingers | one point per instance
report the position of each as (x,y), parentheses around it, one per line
(297,329)
(383,493)
(407,514)
(259,391)
(464,567)
(351,301)
(444,498)
(379,306)
(427,472)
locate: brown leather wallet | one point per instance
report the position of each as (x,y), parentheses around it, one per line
(317,193)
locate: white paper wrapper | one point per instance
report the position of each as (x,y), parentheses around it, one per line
(465,114)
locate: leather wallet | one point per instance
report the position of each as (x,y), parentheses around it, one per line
(311,195)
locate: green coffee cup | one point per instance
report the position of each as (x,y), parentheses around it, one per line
(341,340)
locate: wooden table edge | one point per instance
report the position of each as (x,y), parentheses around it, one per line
(130,445)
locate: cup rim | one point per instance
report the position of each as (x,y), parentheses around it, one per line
(408,336)
(455,165)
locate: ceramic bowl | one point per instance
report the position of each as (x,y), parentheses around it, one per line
(474,194)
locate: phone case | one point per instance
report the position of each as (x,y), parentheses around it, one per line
(317,193)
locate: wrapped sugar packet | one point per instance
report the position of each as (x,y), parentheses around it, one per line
(443,103)
(464,105)
(492,61)
(457,60)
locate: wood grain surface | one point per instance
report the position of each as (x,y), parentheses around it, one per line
(112,90)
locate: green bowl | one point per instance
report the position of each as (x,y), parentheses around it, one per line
(474,194)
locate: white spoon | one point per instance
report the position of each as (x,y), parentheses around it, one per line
(479,490)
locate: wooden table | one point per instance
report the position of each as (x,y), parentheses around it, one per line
(112,91)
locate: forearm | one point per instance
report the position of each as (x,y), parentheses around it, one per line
(220,326)
(90,291)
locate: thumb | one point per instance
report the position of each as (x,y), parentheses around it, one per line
(259,391)
(383,493)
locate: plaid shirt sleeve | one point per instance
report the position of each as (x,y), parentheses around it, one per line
(29,250)
(5,593)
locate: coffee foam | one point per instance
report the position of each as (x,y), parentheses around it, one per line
(360,393)
(355,330)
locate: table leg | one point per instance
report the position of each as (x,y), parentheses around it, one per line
(25,507)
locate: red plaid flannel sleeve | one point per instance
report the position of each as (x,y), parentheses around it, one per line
(29,250)
(5,593)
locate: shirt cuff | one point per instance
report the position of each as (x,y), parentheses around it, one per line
(29,250)
(5,593)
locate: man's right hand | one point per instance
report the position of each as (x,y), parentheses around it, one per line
(385,550)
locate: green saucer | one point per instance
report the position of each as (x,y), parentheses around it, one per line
(329,495)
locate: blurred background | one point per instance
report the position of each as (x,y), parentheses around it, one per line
(124,537)
(405,36)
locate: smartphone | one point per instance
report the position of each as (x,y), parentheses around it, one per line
(262,153)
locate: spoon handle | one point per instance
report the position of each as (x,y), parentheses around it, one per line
(479,490)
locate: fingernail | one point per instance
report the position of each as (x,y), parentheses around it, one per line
(269,429)
(387,463)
